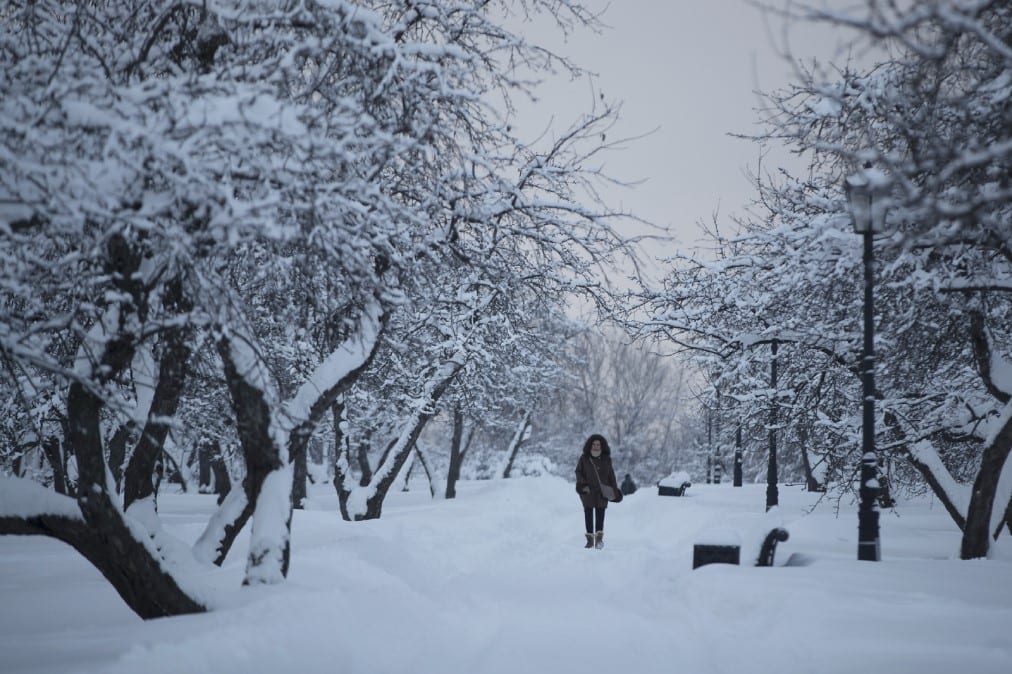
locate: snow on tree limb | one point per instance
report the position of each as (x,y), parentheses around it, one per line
(213,544)
(23,498)
(924,453)
(316,393)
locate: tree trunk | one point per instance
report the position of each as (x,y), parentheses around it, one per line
(420,455)
(110,545)
(398,454)
(387,472)
(234,511)
(299,458)
(205,450)
(138,482)
(341,465)
(977,532)
(117,453)
(342,473)
(981,342)
(174,469)
(268,557)
(101,535)
(456,455)
(811,483)
(1006,521)
(411,468)
(315,396)
(515,443)
(222,480)
(51,448)
(365,470)
(939,492)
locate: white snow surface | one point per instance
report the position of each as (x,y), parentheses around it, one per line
(676,479)
(24,498)
(498,581)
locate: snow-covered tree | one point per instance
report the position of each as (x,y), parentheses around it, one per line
(928,124)
(261,179)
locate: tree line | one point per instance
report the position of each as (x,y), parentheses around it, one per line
(928,125)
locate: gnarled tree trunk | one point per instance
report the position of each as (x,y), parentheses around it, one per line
(977,532)
(127,563)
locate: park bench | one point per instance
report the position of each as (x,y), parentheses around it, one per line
(674,484)
(769,546)
(725,548)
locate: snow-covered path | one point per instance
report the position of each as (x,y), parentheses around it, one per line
(498,581)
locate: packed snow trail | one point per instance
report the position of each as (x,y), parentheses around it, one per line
(497,581)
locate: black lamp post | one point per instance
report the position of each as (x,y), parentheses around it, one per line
(867,206)
(772,493)
(710,456)
(737,458)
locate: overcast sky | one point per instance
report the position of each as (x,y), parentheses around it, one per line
(689,70)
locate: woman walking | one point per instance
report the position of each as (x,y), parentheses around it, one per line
(596,485)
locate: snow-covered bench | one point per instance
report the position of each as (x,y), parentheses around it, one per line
(674,484)
(721,546)
(716,546)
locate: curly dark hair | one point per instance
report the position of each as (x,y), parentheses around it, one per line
(605,449)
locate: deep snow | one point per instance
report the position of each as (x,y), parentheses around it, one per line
(497,580)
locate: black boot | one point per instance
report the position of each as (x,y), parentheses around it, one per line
(590,541)
(598,540)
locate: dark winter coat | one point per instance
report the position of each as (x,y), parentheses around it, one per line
(587,477)
(628,486)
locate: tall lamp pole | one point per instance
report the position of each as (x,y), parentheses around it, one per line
(867,207)
(737,458)
(772,493)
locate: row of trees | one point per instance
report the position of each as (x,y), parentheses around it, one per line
(641,401)
(929,124)
(244,220)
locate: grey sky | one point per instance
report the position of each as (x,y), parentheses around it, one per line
(689,70)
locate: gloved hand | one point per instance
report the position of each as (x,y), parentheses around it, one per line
(586,489)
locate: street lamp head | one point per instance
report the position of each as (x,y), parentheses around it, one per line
(867,193)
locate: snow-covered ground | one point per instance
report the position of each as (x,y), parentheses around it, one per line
(498,581)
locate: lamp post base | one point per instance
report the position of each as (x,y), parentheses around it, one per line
(869,551)
(868,548)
